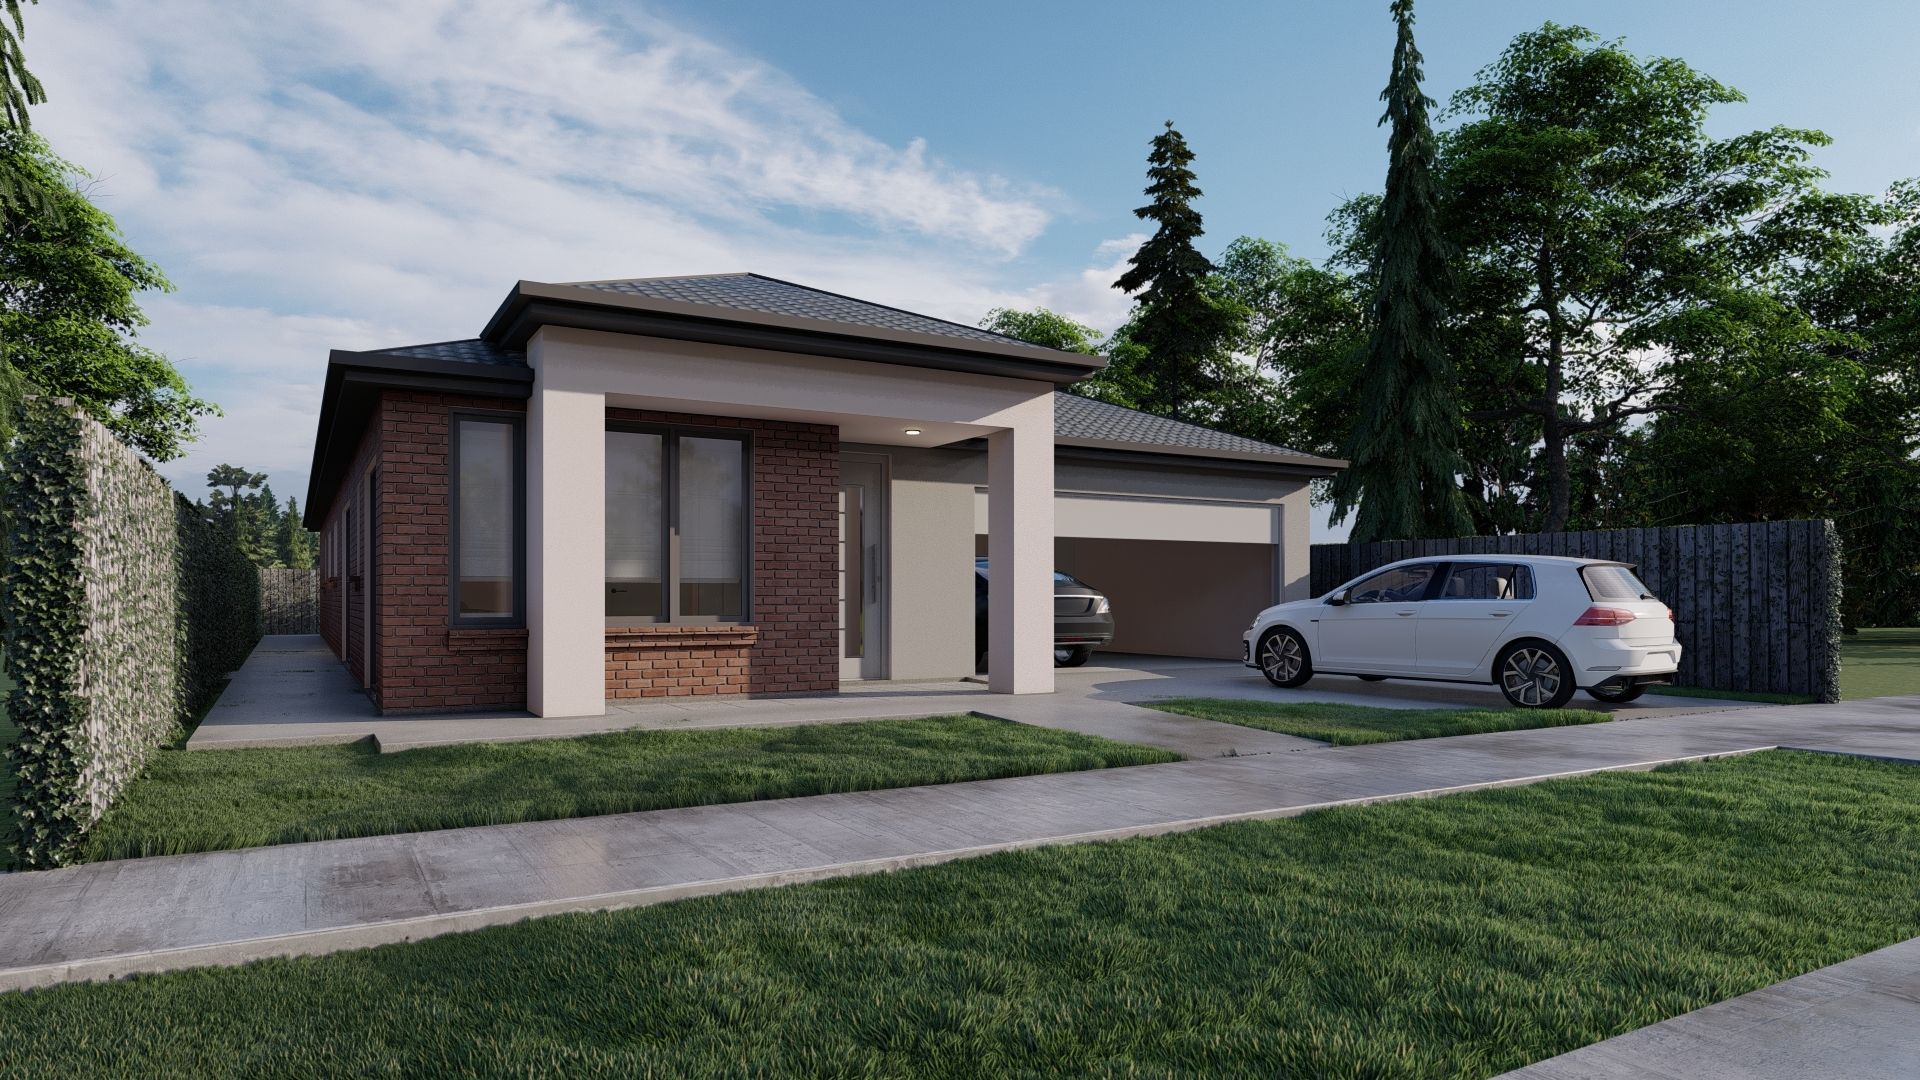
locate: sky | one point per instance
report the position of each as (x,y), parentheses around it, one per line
(354,175)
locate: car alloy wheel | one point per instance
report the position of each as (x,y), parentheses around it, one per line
(1281,658)
(1531,677)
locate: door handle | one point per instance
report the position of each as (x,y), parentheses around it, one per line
(1499,614)
(1403,614)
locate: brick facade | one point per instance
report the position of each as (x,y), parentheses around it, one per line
(792,644)
(421,664)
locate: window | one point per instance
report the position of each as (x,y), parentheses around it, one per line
(1397,586)
(487,522)
(677,525)
(1485,581)
(1614,583)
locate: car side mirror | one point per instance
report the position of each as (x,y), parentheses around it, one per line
(1337,599)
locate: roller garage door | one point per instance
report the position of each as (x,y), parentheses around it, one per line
(1185,576)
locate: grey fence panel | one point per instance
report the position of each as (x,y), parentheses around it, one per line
(1757,604)
(289,601)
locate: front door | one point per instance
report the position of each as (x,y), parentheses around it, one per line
(863,557)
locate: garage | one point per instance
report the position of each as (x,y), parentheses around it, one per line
(1185,575)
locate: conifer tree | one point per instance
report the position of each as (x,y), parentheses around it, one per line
(1404,450)
(1180,333)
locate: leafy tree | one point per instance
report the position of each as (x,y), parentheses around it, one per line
(69,314)
(296,545)
(231,486)
(18,87)
(1404,448)
(1043,327)
(1597,220)
(1173,352)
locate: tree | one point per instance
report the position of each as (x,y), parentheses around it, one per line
(1596,220)
(69,314)
(1173,352)
(1404,451)
(1043,327)
(295,544)
(230,484)
(18,86)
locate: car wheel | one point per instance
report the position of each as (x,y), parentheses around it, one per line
(1284,659)
(1071,655)
(1535,675)
(1371,678)
(1615,695)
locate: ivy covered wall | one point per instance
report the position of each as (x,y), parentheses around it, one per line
(124,610)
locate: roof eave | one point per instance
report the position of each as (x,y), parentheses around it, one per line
(534,304)
(1304,463)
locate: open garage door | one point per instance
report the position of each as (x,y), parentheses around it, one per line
(1185,576)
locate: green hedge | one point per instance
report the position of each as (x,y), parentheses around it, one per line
(125,608)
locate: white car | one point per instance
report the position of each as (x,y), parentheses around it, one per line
(1538,626)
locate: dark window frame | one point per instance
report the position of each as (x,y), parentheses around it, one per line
(670,436)
(1426,589)
(517,619)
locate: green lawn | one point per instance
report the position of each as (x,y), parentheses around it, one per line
(206,800)
(1459,936)
(1350,725)
(1880,662)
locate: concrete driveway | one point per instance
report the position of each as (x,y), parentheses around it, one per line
(1132,678)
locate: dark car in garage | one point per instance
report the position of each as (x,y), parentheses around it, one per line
(1082,617)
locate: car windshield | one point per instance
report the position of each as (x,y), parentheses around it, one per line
(1614,583)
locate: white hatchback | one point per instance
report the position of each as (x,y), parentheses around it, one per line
(1537,626)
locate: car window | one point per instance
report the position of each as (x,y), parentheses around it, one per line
(1488,581)
(1613,583)
(1397,586)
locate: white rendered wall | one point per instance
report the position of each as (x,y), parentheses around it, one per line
(566,548)
(1020,547)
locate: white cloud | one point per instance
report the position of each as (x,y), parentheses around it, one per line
(352,174)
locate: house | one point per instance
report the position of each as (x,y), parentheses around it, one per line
(731,483)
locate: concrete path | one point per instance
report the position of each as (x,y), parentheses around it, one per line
(292,692)
(107,919)
(1856,1020)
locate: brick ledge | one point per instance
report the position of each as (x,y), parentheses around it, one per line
(667,637)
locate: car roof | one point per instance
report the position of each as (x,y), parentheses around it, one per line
(1502,556)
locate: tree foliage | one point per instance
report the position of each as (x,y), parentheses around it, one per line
(269,534)
(1172,357)
(69,310)
(1405,464)
(1043,327)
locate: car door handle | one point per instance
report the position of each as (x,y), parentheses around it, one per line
(1499,614)
(1403,614)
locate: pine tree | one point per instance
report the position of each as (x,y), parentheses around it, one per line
(1179,332)
(1404,450)
(295,547)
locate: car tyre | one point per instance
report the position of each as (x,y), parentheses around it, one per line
(1534,675)
(1284,659)
(1616,697)
(1071,655)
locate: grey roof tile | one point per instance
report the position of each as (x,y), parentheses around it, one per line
(1076,417)
(771,296)
(467,351)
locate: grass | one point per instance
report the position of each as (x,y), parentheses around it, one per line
(207,800)
(1452,937)
(1351,725)
(1880,662)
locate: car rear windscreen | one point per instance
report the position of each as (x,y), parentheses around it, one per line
(1613,583)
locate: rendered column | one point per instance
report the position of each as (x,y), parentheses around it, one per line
(1020,552)
(566,551)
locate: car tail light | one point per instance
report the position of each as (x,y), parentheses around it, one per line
(1671,617)
(1604,616)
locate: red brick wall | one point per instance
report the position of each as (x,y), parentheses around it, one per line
(792,644)
(425,664)
(342,555)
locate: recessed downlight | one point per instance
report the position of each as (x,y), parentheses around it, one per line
(913,431)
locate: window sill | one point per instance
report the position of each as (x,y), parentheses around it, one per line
(666,634)
(486,638)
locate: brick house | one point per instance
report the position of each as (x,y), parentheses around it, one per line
(734,484)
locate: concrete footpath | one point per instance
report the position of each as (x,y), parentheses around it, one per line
(1856,1020)
(108,919)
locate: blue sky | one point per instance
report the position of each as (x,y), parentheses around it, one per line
(356,174)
